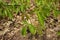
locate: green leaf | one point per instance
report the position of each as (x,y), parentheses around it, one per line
(39,30)
(22,7)
(58,33)
(56,13)
(40,18)
(24,31)
(24,22)
(10,15)
(5,12)
(32,29)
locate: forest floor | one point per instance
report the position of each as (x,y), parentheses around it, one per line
(11,29)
